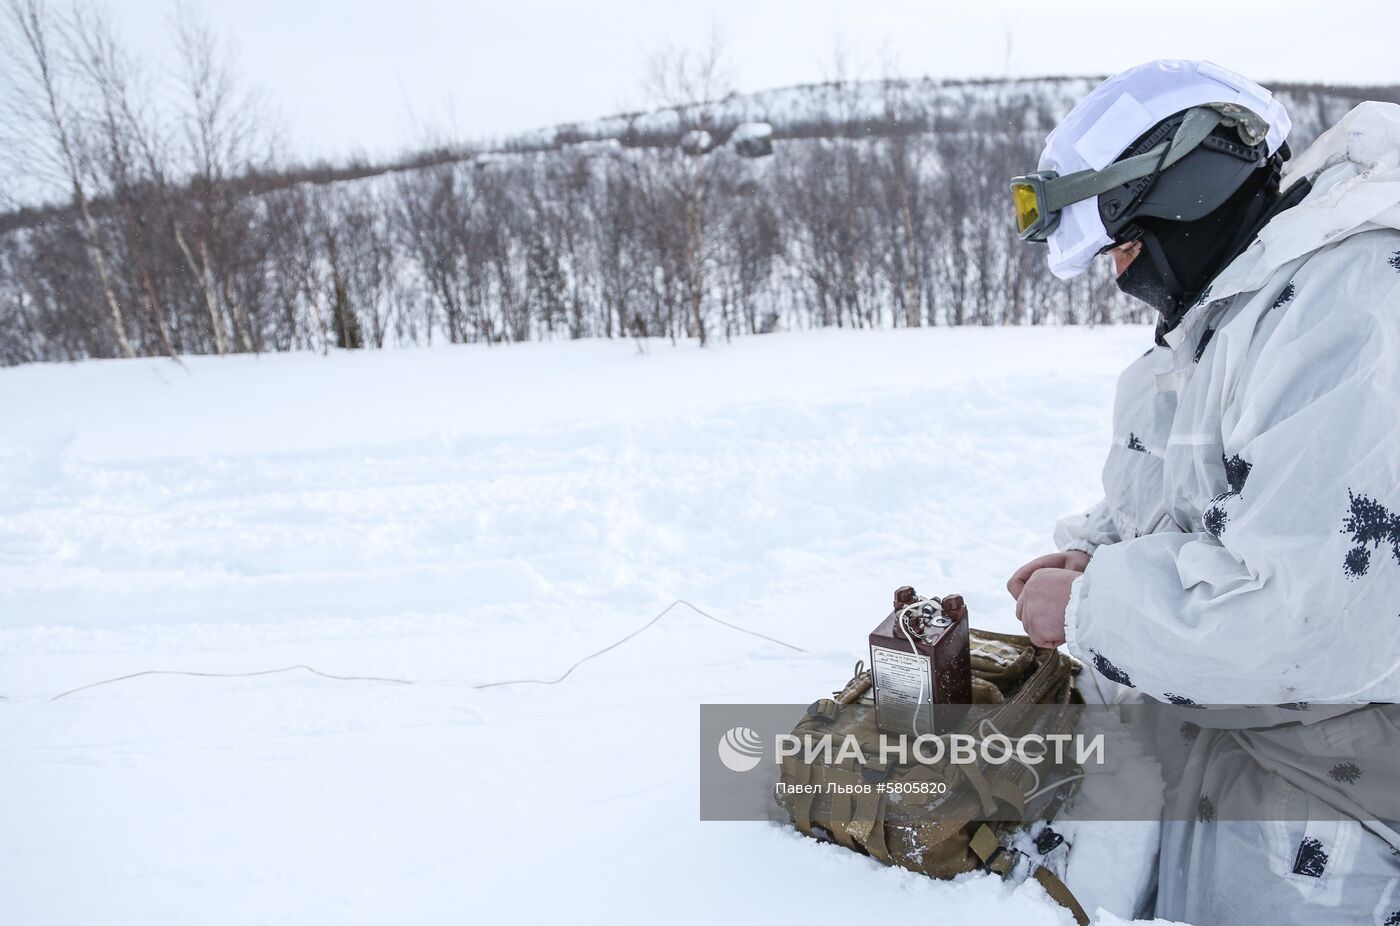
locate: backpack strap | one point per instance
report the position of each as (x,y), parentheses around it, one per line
(973,775)
(987,846)
(1060,893)
(800,773)
(868,827)
(997,858)
(843,806)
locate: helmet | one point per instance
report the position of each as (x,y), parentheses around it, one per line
(1171,140)
(1196,216)
(1191,188)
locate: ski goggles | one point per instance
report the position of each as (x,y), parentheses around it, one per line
(1039,198)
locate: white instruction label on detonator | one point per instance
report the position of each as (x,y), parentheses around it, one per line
(902,680)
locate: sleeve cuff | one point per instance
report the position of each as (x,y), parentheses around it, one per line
(1072,619)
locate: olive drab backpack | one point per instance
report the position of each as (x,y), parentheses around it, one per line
(970,830)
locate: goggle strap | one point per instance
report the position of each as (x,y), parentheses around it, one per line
(1086,184)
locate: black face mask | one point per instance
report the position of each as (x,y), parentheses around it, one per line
(1179,259)
(1150,279)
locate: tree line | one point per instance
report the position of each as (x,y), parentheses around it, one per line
(892,216)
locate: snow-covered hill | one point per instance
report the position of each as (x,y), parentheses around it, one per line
(938,105)
(457,516)
(881,203)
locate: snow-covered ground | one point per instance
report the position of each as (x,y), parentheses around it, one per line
(457,516)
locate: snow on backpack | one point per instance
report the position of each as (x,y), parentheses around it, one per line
(828,798)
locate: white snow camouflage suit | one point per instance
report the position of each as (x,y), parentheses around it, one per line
(1247,550)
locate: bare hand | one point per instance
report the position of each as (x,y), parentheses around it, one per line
(1041,606)
(1070,559)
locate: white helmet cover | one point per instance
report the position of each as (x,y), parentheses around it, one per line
(1114,115)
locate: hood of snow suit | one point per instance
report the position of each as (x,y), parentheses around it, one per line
(1354,168)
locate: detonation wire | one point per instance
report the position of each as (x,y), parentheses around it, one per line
(640,630)
(403,681)
(313,671)
(1035,790)
(914,650)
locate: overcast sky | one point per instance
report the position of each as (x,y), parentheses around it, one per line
(352,76)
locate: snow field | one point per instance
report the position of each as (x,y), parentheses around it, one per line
(460,515)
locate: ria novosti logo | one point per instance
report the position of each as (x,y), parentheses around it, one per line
(740,749)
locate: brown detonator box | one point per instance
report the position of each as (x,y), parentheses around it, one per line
(920,659)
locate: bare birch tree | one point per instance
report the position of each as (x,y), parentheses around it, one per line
(42,63)
(689,83)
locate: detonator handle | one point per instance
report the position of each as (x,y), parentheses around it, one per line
(953,608)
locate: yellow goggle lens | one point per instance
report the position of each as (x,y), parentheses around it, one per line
(1027,206)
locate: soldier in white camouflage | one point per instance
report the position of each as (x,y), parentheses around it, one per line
(1247,548)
